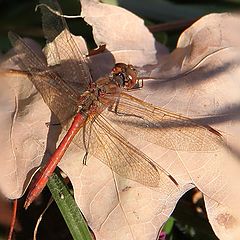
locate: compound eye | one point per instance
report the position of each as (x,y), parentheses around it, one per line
(119,67)
(131,67)
(116,70)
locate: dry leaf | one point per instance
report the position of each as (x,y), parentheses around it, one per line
(207,90)
(128,34)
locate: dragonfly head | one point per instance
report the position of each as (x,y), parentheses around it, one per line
(125,75)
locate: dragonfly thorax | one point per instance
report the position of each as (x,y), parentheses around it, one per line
(101,93)
(106,86)
(105,90)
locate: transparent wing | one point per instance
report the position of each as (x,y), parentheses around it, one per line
(105,143)
(57,94)
(63,48)
(161,127)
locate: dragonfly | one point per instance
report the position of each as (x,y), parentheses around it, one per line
(89,111)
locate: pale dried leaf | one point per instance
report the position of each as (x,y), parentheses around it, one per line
(128,33)
(22,110)
(206,37)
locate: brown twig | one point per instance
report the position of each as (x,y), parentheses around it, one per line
(179,24)
(13,220)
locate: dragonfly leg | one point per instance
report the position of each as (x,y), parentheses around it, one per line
(115,110)
(48,124)
(86,140)
(137,86)
(85,159)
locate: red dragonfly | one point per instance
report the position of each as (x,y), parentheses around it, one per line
(90,110)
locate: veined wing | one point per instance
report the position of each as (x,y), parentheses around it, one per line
(163,128)
(57,94)
(63,48)
(105,143)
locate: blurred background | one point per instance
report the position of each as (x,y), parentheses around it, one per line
(166,19)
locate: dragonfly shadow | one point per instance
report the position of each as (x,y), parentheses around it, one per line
(54,132)
(226,114)
(195,77)
(101,64)
(52,138)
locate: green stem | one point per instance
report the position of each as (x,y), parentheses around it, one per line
(68,207)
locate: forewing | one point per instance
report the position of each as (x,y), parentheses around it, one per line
(62,48)
(58,95)
(161,127)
